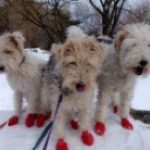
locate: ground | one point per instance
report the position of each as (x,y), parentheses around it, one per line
(21,138)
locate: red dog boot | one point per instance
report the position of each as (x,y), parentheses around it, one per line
(116,109)
(100,128)
(13,120)
(126,124)
(40,120)
(30,120)
(47,116)
(87,138)
(61,145)
(74,124)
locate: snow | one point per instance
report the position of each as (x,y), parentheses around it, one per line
(21,138)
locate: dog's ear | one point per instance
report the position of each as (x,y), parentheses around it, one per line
(17,39)
(119,39)
(96,47)
(56,50)
(68,49)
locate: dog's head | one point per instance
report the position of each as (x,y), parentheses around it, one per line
(11,51)
(80,59)
(132,47)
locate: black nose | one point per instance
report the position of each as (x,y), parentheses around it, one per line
(2,68)
(143,62)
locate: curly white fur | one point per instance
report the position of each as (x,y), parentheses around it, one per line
(122,67)
(23,70)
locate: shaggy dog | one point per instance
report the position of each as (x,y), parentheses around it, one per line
(129,60)
(24,76)
(73,68)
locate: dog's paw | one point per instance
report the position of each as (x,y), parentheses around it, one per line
(30,120)
(40,120)
(126,124)
(87,138)
(74,124)
(61,145)
(116,109)
(100,128)
(13,120)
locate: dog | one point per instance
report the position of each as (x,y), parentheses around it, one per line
(72,70)
(129,60)
(23,72)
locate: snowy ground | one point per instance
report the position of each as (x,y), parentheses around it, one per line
(116,138)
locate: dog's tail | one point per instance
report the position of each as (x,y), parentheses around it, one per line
(75,33)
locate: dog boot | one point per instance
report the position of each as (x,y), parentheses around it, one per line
(87,138)
(40,120)
(47,116)
(61,145)
(126,124)
(30,120)
(74,124)
(100,128)
(13,120)
(116,109)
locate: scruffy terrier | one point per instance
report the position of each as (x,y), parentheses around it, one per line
(23,72)
(73,68)
(129,60)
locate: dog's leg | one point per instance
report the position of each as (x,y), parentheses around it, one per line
(33,103)
(125,99)
(59,125)
(18,97)
(85,118)
(104,100)
(44,108)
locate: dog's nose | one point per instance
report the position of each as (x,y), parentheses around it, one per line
(2,68)
(143,63)
(80,87)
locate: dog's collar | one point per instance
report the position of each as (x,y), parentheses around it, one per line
(22,61)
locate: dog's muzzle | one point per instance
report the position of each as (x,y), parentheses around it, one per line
(141,67)
(2,68)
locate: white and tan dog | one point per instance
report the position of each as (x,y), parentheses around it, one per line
(23,72)
(129,60)
(73,67)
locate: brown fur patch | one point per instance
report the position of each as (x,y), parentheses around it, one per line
(69,49)
(15,42)
(122,35)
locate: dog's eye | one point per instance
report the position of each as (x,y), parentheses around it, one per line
(7,51)
(92,50)
(73,63)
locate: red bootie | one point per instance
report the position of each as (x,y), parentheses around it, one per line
(126,124)
(61,145)
(100,128)
(40,120)
(47,116)
(13,121)
(87,138)
(116,109)
(30,120)
(74,124)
